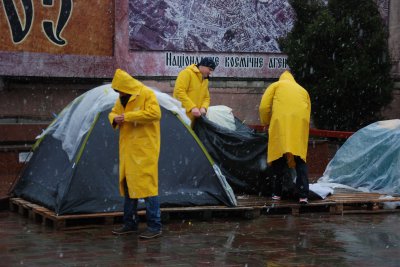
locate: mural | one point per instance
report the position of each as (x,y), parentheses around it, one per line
(213,26)
(90,38)
(209,25)
(56,27)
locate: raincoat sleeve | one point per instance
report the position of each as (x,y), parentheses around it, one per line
(150,113)
(265,109)
(206,101)
(116,110)
(180,91)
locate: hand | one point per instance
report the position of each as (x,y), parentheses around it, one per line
(119,119)
(203,111)
(195,112)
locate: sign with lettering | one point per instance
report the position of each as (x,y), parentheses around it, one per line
(228,65)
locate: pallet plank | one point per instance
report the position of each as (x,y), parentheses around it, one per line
(250,206)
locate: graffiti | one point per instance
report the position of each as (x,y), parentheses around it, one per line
(21,27)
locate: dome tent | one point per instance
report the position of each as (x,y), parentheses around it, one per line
(74,165)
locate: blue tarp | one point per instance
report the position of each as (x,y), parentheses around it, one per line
(369,160)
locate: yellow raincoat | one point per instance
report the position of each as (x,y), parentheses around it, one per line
(139,137)
(285,107)
(192,90)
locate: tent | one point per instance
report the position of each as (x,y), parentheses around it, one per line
(74,165)
(369,160)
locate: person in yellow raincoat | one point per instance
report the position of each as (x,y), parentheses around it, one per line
(137,115)
(285,107)
(191,88)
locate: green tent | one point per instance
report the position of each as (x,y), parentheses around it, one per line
(74,165)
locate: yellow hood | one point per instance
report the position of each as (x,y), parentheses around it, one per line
(125,83)
(286,76)
(194,68)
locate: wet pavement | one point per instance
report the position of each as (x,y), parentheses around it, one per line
(273,240)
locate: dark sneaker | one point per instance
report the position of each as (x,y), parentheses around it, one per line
(124,230)
(149,234)
(303,201)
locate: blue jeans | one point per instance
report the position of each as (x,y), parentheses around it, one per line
(153,213)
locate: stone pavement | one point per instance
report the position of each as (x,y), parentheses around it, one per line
(278,240)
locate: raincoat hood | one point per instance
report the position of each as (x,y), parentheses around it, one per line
(286,76)
(125,83)
(194,68)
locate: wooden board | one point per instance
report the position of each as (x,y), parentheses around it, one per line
(249,207)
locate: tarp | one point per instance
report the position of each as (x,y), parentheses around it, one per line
(369,160)
(240,153)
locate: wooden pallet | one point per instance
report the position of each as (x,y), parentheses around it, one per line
(249,207)
(47,217)
(359,202)
(341,202)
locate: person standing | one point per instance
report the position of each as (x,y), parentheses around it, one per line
(137,115)
(285,107)
(191,88)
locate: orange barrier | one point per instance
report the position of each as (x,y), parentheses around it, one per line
(327,133)
(313,132)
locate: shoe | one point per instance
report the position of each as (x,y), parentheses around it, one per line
(274,197)
(149,234)
(124,230)
(303,201)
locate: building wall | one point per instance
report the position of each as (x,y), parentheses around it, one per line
(244,97)
(40,99)
(394,37)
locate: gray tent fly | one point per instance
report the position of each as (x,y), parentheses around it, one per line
(74,166)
